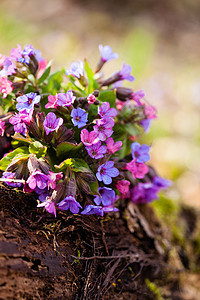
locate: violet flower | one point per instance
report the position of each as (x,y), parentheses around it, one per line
(89,138)
(137,96)
(25,54)
(53,178)
(65,99)
(70,203)
(79,117)
(92,210)
(106,53)
(51,123)
(125,72)
(113,147)
(140,152)
(106,172)
(10,175)
(20,120)
(27,101)
(105,111)
(38,179)
(76,69)
(103,128)
(96,150)
(49,206)
(107,197)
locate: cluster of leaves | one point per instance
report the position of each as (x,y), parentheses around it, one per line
(73,134)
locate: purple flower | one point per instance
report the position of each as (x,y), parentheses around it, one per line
(26,53)
(103,128)
(146,123)
(79,117)
(106,172)
(110,208)
(107,198)
(106,53)
(49,206)
(124,73)
(140,153)
(9,67)
(96,150)
(51,123)
(105,111)
(53,178)
(52,101)
(161,183)
(143,193)
(70,203)
(137,96)
(65,99)
(38,179)
(27,101)
(9,175)
(93,210)
(88,138)
(113,147)
(76,69)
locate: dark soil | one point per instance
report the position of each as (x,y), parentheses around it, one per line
(82,257)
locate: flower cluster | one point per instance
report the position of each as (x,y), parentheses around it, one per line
(74,143)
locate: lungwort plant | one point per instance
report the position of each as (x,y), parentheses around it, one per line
(73,134)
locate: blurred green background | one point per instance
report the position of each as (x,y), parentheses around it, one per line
(159,39)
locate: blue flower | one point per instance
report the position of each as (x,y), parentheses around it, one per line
(27,101)
(107,197)
(106,53)
(70,203)
(76,69)
(92,210)
(106,172)
(140,152)
(79,117)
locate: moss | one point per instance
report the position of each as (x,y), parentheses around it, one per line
(154,289)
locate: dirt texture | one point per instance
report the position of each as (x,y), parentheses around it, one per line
(82,257)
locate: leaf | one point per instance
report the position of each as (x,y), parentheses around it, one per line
(129,128)
(21,138)
(92,84)
(38,149)
(45,74)
(108,96)
(19,152)
(67,149)
(67,163)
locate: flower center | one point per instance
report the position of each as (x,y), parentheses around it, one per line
(77,119)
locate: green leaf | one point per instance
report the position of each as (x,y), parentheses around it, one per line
(21,138)
(80,165)
(92,84)
(66,149)
(67,163)
(108,96)
(129,128)
(38,149)
(21,152)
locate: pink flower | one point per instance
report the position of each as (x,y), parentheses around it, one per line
(119,104)
(52,101)
(5,86)
(123,187)
(91,99)
(42,66)
(49,206)
(138,170)
(89,138)
(2,128)
(137,96)
(113,147)
(53,178)
(150,112)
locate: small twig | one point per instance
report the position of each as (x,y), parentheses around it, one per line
(111,257)
(103,238)
(12,180)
